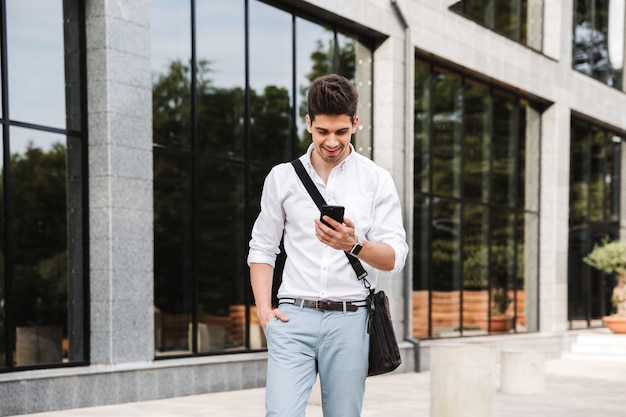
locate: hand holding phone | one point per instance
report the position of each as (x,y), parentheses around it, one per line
(334,212)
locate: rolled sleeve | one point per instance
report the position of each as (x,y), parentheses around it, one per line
(401,250)
(387,226)
(268,228)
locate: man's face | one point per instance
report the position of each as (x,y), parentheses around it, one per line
(331,136)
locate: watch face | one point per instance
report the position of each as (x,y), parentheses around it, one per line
(357,249)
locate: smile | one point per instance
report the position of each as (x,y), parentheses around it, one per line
(333,151)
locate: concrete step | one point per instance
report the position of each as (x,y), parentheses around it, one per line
(601,338)
(601,345)
(594,357)
(600,349)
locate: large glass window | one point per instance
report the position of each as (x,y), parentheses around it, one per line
(595,177)
(229,98)
(520,20)
(42,198)
(599,40)
(476,208)
(446,144)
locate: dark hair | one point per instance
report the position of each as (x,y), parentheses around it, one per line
(334,95)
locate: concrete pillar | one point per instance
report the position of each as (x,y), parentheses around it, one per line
(120,181)
(554,226)
(522,372)
(389,142)
(461,381)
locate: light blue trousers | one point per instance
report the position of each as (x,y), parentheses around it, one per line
(333,343)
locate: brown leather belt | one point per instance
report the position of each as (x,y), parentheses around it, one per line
(324,304)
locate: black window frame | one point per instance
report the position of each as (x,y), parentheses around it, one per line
(589,290)
(77,131)
(427,198)
(298,10)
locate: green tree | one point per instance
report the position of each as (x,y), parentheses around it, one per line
(219,192)
(323,62)
(39,226)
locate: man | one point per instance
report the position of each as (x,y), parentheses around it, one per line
(304,336)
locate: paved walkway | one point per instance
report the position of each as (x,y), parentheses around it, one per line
(573,388)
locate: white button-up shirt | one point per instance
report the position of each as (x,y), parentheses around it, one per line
(314,270)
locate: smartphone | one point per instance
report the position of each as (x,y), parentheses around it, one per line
(334,212)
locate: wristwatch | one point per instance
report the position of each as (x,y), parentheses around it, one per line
(356,248)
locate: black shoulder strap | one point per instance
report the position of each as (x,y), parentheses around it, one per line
(308,183)
(361,273)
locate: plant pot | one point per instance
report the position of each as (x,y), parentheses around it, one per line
(498,323)
(615,324)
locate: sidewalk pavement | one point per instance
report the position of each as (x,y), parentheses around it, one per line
(573,388)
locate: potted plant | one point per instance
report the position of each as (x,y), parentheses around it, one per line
(499,320)
(502,259)
(475,280)
(610,258)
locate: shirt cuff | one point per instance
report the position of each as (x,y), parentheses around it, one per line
(400,256)
(259,258)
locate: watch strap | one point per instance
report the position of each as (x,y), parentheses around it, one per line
(356,248)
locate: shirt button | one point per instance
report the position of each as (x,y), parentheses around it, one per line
(322,295)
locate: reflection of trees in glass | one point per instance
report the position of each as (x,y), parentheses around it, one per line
(216,252)
(270,125)
(445,253)
(502,262)
(594,185)
(327,59)
(219,195)
(421,242)
(38,179)
(506,17)
(476,142)
(333,58)
(475,246)
(591,43)
(172,246)
(219,232)
(219,111)
(421,156)
(499,267)
(478,237)
(505,150)
(591,55)
(171,107)
(594,174)
(579,174)
(446,145)
(600,176)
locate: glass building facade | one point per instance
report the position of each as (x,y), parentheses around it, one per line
(43,263)
(476,206)
(226,110)
(519,20)
(599,40)
(594,214)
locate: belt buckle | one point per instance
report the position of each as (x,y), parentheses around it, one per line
(317,305)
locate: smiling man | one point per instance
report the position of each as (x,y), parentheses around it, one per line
(320,323)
